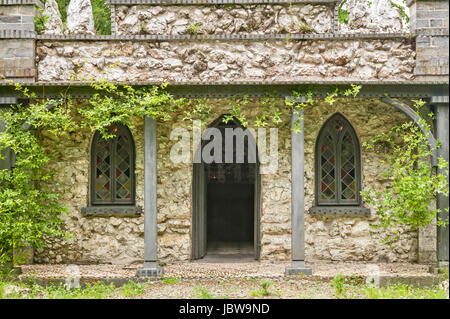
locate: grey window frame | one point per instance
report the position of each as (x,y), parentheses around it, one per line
(113,142)
(318,166)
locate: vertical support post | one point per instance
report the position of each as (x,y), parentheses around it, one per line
(151,268)
(442,132)
(297,198)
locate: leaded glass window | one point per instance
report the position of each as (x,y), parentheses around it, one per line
(338,177)
(112,168)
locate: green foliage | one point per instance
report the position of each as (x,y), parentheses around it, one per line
(342,13)
(236,105)
(203,293)
(264,291)
(338,284)
(39,21)
(170,280)
(132,289)
(29,208)
(62,6)
(401,291)
(97,290)
(402,10)
(123,105)
(413,182)
(102,17)
(194,29)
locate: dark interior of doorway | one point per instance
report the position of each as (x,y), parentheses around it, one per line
(230,221)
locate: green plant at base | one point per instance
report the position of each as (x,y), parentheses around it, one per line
(413,182)
(131,289)
(402,291)
(264,291)
(170,280)
(203,293)
(338,283)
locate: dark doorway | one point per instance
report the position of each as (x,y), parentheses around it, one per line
(226,206)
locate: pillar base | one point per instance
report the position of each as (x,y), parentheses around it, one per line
(150,269)
(298,267)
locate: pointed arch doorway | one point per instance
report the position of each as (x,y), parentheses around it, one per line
(226,201)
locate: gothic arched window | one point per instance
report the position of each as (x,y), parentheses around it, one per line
(338,164)
(112,168)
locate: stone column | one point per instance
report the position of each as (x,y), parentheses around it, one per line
(441,105)
(151,268)
(297,199)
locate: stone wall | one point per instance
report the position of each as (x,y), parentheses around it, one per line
(224,19)
(121,239)
(271,60)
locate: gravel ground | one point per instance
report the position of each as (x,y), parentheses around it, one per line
(226,270)
(239,288)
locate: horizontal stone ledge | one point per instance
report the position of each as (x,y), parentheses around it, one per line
(211,2)
(431,32)
(243,83)
(108,211)
(231,37)
(17,34)
(17,72)
(339,210)
(19,2)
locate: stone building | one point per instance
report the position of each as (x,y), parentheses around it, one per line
(154,210)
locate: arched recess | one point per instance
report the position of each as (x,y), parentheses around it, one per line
(405,108)
(201,188)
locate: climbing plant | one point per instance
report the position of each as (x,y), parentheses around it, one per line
(413,183)
(29,207)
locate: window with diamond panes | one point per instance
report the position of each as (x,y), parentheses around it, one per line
(113,181)
(337,164)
